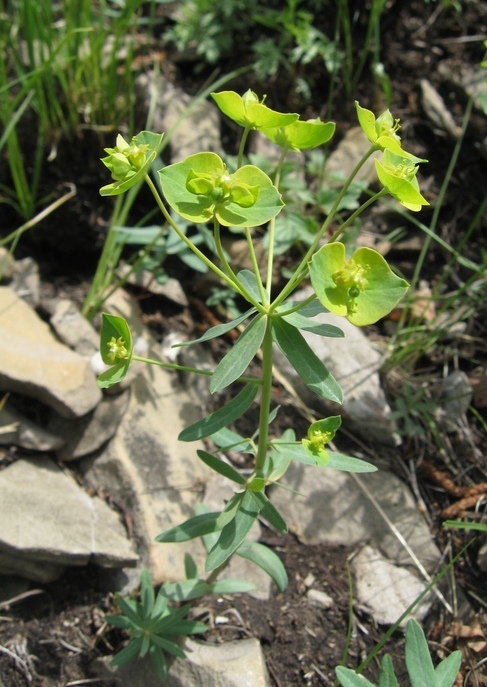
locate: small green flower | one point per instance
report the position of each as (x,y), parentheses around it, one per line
(200,188)
(363,288)
(249,112)
(398,176)
(117,350)
(382,131)
(320,433)
(129,162)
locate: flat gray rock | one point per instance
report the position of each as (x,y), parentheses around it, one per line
(35,364)
(49,522)
(332,507)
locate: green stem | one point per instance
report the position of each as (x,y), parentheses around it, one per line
(302,269)
(241,148)
(187,368)
(255,265)
(235,285)
(358,211)
(265,399)
(272,230)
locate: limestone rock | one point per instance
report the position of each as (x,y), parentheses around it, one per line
(49,522)
(87,434)
(18,430)
(386,590)
(73,329)
(233,664)
(34,363)
(332,507)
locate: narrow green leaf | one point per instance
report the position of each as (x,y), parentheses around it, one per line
(233,534)
(221,467)
(190,569)
(131,609)
(188,627)
(231,586)
(266,559)
(349,678)
(159,662)
(226,439)
(306,363)
(129,653)
(197,526)
(336,461)
(339,461)
(447,671)
(302,322)
(186,590)
(240,355)
(118,621)
(222,417)
(147,595)
(218,330)
(387,677)
(418,659)
(249,280)
(270,512)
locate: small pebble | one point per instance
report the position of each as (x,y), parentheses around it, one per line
(319,598)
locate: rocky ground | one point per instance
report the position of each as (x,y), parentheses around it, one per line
(89,480)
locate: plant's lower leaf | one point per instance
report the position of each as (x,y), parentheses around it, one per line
(306,363)
(249,280)
(233,534)
(231,586)
(168,646)
(387,677)
(447,671)
(188,627)
(236,361)
(266,559)
(222,417)
(270,512)
(186,590)
(129,653)
(118,621)
(339,461)
(418,659)
(190,569)
(159,662)
(221,467)
(225,439)
(349,678)
(219,329)
(147,595)
(197,526)
(301,322)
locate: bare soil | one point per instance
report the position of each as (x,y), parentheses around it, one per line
(49,637)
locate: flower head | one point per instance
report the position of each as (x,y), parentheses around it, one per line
(250,112)
(362,288)
(398,176)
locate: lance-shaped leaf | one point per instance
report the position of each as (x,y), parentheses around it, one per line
(223,416)
(296,319)
(266,559)
(198,526)
(306,363)
(234,532)
(130,162)
(363,289)
(300,135)
(200,188)
(349,678)
(236,361)
(218,330)
(248,112)
(335,461)
(221,467)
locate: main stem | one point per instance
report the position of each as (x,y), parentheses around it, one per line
(265,399)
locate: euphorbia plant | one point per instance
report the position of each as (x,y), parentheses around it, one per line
(361,287)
